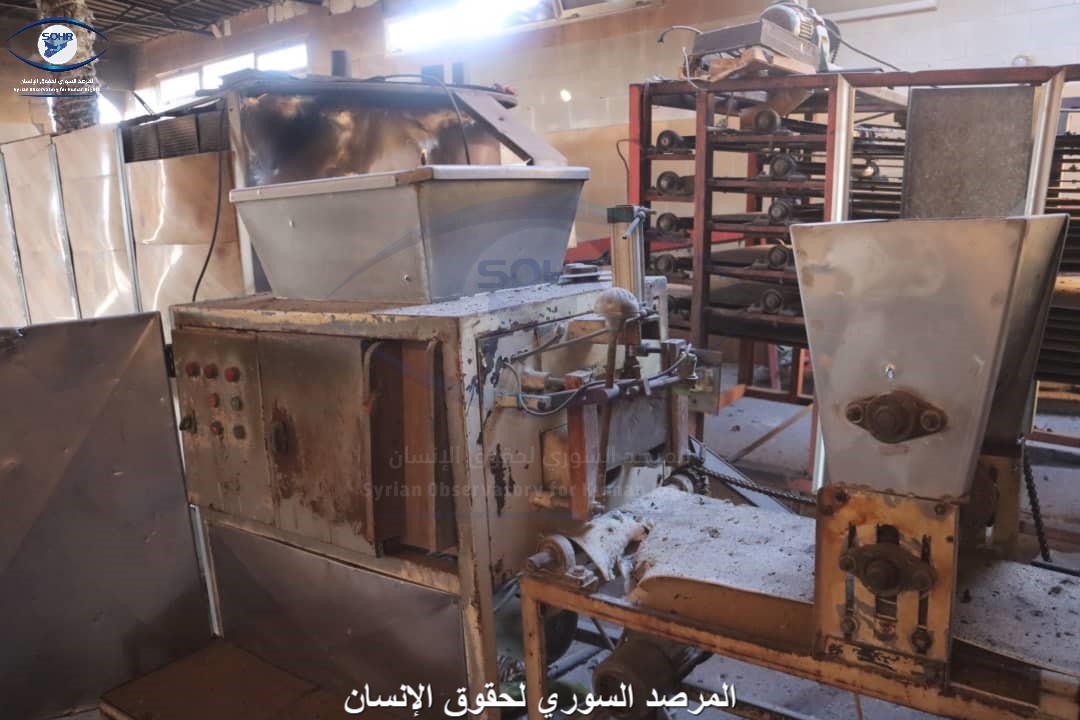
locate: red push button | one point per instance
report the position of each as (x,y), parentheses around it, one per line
(193,369)
(217,428)
(232,374)
(210,371)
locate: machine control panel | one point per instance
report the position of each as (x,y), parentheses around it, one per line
(223,442)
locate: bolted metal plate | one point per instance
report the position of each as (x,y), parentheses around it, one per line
(914,305)
(98,575)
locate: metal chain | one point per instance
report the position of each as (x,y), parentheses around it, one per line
(1036,511)
(788,495)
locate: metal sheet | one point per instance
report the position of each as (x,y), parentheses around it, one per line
(425,235)
(13,301)
(172,213)
(39,226)
(315,387)
(1026,324)
(98,575)
(227,468)
(968,151)
(95,220)
(333,624)
(909,305)
(288,137)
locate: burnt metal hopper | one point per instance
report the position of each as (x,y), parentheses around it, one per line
(911,323)
(429,234)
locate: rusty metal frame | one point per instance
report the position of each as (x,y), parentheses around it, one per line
(845,89)
(974,700)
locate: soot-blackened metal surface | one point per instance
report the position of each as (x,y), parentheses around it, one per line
(98,575)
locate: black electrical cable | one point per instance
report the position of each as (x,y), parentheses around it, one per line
(865,54)
(217,211)
(449,94)
(1036,510)
(625,162)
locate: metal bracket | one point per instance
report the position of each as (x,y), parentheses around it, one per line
(896,416)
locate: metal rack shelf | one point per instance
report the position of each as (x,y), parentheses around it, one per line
(829,148)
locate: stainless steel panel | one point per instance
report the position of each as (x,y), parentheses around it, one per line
(423,235)
(909,305)
(968,151)
(315,389)
(39,227)
(333,624)
(1013,395)
(87,160)
(172,213)
(224,444)
(98,575)
(14,307)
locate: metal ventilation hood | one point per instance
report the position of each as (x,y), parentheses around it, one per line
(429,234)
(940,309)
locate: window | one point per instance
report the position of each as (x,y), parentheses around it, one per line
(181,87)
(107,111)
(177,89)
(461,20)
(293,57)
(212,73)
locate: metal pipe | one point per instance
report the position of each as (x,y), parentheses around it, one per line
(628,248)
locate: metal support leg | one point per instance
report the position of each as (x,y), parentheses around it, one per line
(535,658)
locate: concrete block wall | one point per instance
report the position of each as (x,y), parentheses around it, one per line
(971,33)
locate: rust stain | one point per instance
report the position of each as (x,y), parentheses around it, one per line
(286,464)
(503,478)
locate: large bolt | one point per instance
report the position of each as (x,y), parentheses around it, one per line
(847,563)
(881,576)
(931,420)
(885,420)
(921,640)
(922,579)
(849,625)
(854,413)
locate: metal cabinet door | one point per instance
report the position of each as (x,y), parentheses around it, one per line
(314,416)
(99,581)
